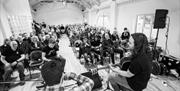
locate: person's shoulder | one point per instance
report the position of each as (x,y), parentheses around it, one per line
(143,58)
(5,50)
(45,48)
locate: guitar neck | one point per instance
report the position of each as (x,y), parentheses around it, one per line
(105,67)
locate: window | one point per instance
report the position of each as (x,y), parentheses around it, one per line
(20,24)
(145,25)
(103,21)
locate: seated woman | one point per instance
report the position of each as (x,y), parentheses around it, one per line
(35,44)
(50,50)
(139,71)
(107,47)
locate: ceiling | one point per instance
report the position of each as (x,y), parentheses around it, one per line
(83,3)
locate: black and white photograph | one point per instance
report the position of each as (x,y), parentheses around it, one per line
(89,45)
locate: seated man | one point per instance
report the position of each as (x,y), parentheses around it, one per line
(95,47)
(2,48)
(50,50)
(107,47)
(12,57)
(138,74)
(84,48)
(53,75)
(125,35)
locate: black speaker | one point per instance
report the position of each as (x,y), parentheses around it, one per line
(160,18)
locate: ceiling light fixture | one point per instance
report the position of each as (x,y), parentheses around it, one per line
(64,2)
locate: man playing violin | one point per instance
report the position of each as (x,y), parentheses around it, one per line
(138,74)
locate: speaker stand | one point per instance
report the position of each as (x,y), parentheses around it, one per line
(154,53)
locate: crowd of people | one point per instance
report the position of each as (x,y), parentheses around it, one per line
(95,43)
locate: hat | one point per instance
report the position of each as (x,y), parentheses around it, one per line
(52,72)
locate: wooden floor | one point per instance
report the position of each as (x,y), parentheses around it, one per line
(73,65)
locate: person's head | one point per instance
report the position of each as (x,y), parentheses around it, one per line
(13,45)
(138,43)
(51,42)
(62,28)
(7,41)
(35,39)
(32,34)
(19,39)
(25,35)
(125,29)
(115,32)
(96,38)
(47,37)
(52,72)
(106,36)
(12,38)
(85,39)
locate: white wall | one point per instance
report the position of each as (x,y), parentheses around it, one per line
(56,13)
(95,14)
(10,8)
(127,13)
(1,35)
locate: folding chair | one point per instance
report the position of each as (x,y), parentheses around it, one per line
(35,60)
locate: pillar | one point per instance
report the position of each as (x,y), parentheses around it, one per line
(113,15)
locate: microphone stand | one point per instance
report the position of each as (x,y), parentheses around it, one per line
(154,49)
(107,82)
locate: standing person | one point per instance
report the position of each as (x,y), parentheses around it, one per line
(139,71)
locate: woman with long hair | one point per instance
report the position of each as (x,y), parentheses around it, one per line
(139,71)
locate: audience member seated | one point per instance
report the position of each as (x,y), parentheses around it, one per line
(84,47)
(115,36)
(46,41)
(50,50)
(12,57)
(35,44)
(26,38)
(96,47)
(125,35)
(107,46)
(1,67)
